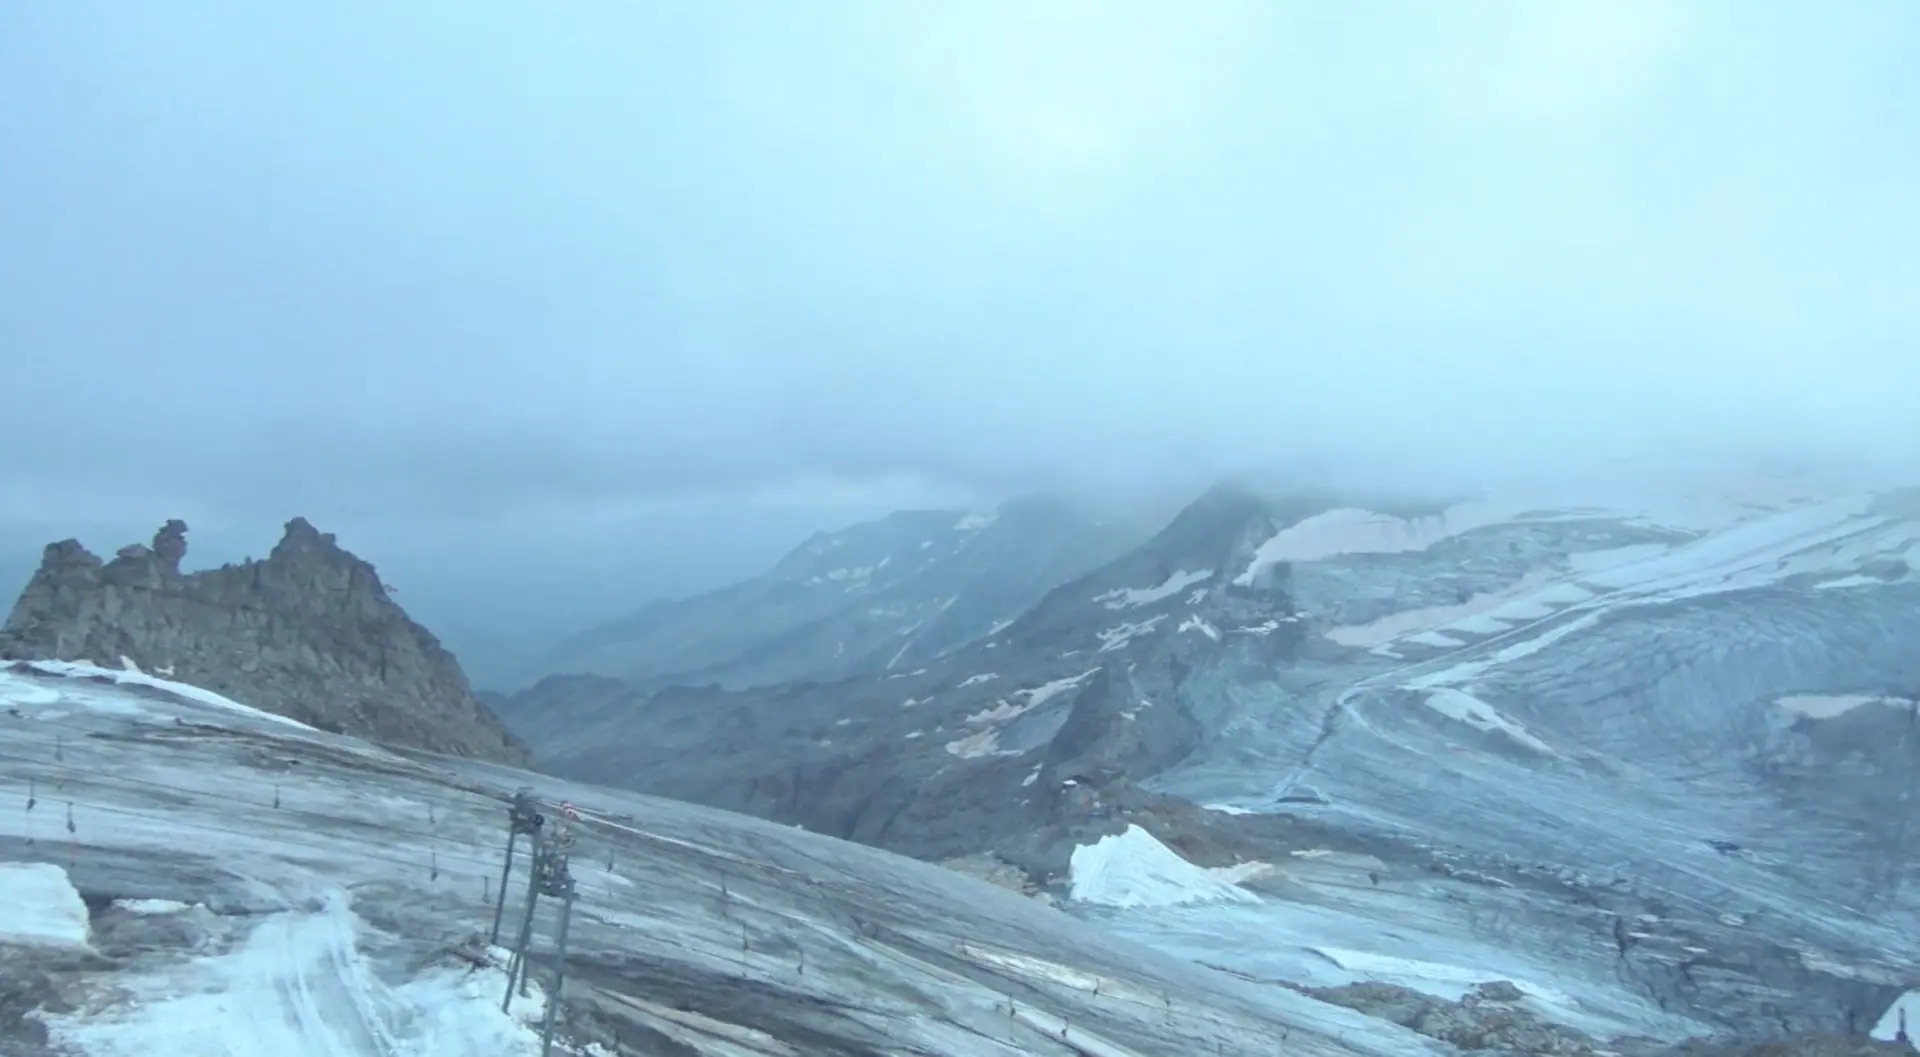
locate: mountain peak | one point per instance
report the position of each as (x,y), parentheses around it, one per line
(308,633)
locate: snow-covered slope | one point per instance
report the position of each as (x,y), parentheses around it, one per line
(243,886)
(885,595)
(1661,754)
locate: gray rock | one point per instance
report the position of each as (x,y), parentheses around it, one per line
(309,633)
(1486,1020)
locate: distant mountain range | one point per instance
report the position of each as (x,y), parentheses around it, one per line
(1618,739)
(887,595)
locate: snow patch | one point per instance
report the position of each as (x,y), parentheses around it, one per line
(74,669)
(1827,706)
(979,744)
(1007,708)
(1903,1013)
(1201,626)
(1132,869)
(23,692)
(1532,597)
(298,986)
(151,907)
(1468,709)
(39,907)
(974,522)
(1129,597)
(976,680)
(1115,638)
(1352,531)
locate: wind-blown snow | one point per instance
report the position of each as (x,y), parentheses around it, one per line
(40,908)
(1132,869)
(298,986)
(1176,582)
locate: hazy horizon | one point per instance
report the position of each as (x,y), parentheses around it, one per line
(550,310)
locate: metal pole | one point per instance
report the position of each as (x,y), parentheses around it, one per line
(517,967)
(500,904)
(559,974)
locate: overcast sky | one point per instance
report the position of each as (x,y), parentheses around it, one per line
(654,289)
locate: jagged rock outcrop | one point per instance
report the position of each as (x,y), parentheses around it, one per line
(309,633)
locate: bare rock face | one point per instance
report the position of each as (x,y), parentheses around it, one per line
(309,633)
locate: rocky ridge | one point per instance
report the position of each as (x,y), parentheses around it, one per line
(309,632)
(1003,747)
(886,595)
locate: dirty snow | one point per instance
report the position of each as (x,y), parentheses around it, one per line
(39,907)
(1130,597)
(1132,869)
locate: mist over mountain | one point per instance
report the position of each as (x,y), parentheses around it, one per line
(1116,529)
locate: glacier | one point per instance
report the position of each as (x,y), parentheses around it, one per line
(256,887)
(1664,768)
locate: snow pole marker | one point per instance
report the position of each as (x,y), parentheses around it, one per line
(523,819)
(557,882)
(517,965)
